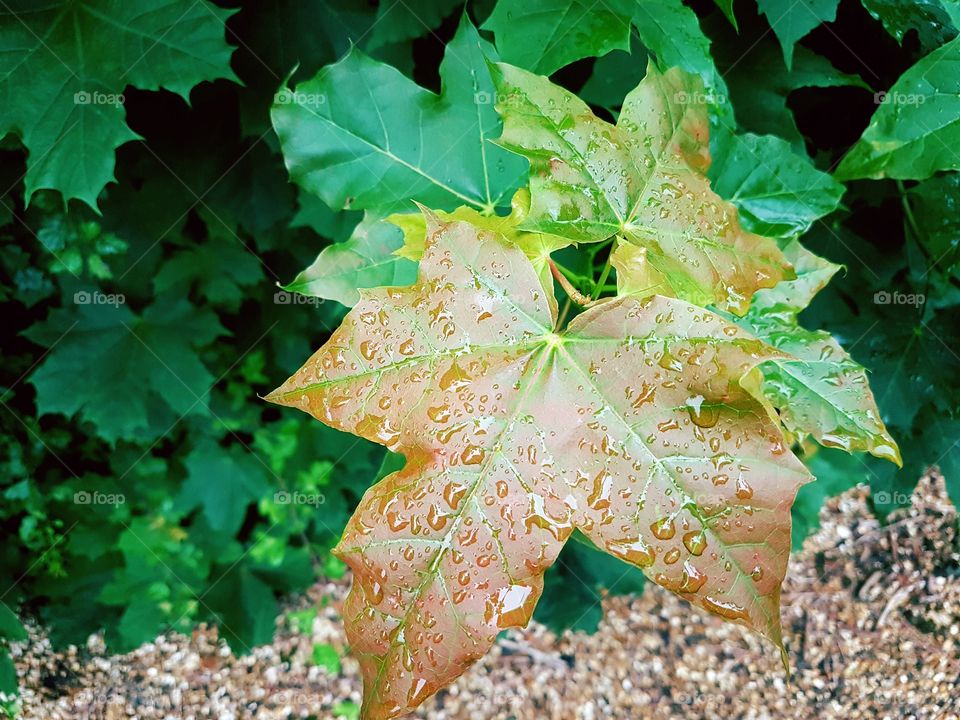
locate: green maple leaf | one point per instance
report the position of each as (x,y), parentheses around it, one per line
(641,181)
(64,67)
(817,389)
(131,375)
(543,37)
(778,192)
(546,36)
(364,260)
(930,18)
(760,84)
(935,204)
(383,147)
(222,482)
(516,433)
(792,20)
(916,126)
(219,268)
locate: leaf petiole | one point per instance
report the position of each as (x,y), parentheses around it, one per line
(575,295)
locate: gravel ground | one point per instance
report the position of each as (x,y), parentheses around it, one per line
(871,616)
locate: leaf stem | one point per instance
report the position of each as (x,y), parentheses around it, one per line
(572,276)
(563,313)
(908,211)
(578,297)
(604,274)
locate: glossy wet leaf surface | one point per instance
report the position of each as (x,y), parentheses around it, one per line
(778,192)
(819,389)
(536,246)
(930,19)
(915,129)
(362,135)
(642,180)
(366,259)
(545,36)
(635,425)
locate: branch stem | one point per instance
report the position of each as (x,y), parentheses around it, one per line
(578,297)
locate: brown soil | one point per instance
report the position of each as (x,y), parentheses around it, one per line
(871,616)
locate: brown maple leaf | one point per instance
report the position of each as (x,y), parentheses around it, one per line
(634,424)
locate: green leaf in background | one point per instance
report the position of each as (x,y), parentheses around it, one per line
(400,21)
(220,269)
(154,588)
(302,620)
(821,391)
(10,626)
(928,18)
(671,31)
(346,711)
(366,260)
(545,36)
(760,84)
(245,608)
(939,444)
(131,375)
(836,471)
(314,213)
(77,243)
(615,75)
(384,148)
(8,677)
(726,6)
(223,482)
(778,193)
(936,209)
(912,361)
(327,657)
(792,20)
(577,582)
(916,128)
(64,67)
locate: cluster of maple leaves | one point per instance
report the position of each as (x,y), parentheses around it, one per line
(658,421)
(678,392)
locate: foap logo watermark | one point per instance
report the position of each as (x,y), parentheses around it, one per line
(890,498)
(85,497)
(84,297)
(898,98)
(885,297)
(84,97)
(497,98)
(282,497)
(699,97)
(293,97)
(282,297)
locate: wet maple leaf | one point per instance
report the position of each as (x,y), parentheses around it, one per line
(636,424)
(818,388)
(642,181)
